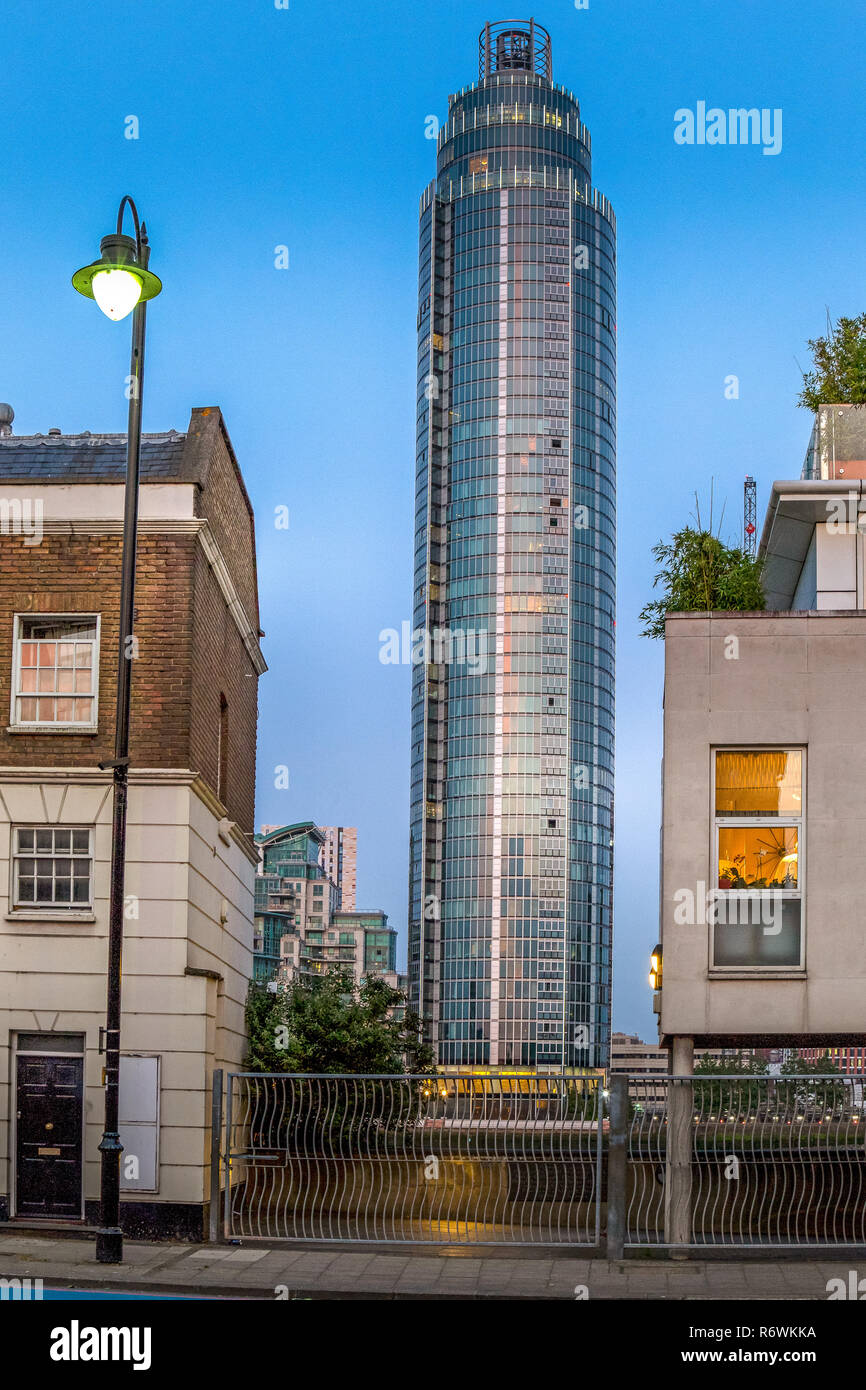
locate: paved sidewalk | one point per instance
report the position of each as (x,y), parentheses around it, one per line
(261,1270)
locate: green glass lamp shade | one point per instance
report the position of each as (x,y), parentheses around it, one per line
(116,281)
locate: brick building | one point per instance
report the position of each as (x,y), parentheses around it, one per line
(190,853)
(850,1061)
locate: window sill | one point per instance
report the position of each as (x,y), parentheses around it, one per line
(49,915)
(756,972)
(90,729)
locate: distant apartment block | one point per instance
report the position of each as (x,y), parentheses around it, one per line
(851,1061)
(338,856)
(360,942)
(340,861)
(300,928)
(293,892)
(630,1054)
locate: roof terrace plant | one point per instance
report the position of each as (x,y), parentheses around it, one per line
(699,573)
(838,375)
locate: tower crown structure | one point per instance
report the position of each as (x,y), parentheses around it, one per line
(514,45)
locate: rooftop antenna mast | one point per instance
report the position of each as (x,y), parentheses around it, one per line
(750,531)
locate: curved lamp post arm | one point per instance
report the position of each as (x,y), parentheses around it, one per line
(142,248)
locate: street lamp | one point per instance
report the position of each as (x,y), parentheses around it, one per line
(121,283)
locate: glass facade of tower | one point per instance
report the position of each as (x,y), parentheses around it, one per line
(514,600)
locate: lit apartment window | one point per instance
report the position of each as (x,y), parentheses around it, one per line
(56,663)
(758,859)
(52,867)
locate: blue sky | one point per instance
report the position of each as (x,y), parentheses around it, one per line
(304,127)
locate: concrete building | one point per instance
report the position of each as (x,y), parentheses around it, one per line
(629,1053)
(190,861)
(511,832)
(340,862)
(764,788)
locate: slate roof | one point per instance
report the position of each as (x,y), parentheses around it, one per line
(92,458)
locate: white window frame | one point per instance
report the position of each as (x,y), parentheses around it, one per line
(771,822)
(45,909)
(35,725)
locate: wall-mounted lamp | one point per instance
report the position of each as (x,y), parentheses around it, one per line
(655,975)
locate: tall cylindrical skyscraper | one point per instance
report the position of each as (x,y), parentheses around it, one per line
(514,601)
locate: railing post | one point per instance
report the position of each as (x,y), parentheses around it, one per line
(617,1140)
(227,1156)
(680,1141)
(216,1126)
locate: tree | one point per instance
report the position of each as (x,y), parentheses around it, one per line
(733,1064)
(816,1095)
(329,1025)
(262,1020)
(699,573)
(799,1066)
(838,376)
(720,1098)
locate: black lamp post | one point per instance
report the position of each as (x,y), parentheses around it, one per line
(120,282)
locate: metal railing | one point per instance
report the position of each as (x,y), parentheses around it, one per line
(745,1161)
(686,1162)
(494,1159)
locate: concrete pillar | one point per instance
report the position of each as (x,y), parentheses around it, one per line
(680,1138)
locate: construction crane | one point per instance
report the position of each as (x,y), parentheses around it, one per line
(750,530)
